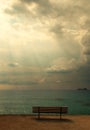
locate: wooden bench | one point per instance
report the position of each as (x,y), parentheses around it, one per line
(59,110)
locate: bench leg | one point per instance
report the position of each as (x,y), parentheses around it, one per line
(38,112)
(60,115)
(60,112)
(38,115)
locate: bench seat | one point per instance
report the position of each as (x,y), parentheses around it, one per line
(61,110)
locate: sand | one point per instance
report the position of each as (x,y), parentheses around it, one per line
(21,122)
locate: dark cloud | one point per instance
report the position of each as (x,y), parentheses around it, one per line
(9,82)
(86,40)
(57,30)
(46,10)
(18,9)
(13,64)
(83,73)
(72,11)
(86,46)
(70,79)
(85,25)
(60,71)
(87,51)
(39,2)
(43,7)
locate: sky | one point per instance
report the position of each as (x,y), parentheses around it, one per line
(44,44)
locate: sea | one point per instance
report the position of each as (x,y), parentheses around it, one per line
(20,102)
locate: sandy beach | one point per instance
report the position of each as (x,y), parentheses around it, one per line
(21,122)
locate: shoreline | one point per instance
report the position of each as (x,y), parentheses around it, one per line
(46,122)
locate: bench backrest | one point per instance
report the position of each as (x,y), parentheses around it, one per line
(63,109)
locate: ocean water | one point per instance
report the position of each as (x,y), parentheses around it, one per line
(21,101)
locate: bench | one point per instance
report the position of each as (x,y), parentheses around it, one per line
(59,110)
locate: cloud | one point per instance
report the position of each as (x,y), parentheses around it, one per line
(13,64)
(86,40)
(11,82)
(60,18)
(86,47)
(17,8)
(34,24)
(87,51)
(21,77)
(64,66)
(30,8)
(46,10)
(42,80)
(57,30)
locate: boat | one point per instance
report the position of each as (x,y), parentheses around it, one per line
(82,89)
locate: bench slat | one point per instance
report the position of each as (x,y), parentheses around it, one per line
(50,109)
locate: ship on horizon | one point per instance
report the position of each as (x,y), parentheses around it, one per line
(82,89)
